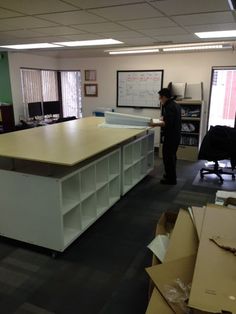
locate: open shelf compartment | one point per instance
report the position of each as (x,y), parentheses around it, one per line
(102,199)
(70,188)
(88,183)
(114,164)
(72,225)
(88,211)
(114,190)
(102,172)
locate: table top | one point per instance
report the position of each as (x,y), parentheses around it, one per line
(66,143)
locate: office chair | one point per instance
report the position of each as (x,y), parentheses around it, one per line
(217,170)
(218,144)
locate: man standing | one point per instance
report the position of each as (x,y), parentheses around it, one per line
(171,124)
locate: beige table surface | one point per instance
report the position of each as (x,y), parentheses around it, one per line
(65,143)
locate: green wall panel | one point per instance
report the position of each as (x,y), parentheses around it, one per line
(5,84)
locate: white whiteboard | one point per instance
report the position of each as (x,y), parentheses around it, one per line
(139,88)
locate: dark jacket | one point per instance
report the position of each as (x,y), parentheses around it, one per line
(171,112)
(219,143)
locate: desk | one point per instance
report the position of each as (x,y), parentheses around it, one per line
(55,181)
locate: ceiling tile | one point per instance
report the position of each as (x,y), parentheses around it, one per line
(88,4)
(82,37)
(205,18)
(22,34)
(36,7)
(6,13)
(181,7)
(100,27)
(23,22)
(164,31)
(211,27)
(177,39)
(149,23)
(124,12)
(123,34)
(138,41)
(74,17)
(58,30)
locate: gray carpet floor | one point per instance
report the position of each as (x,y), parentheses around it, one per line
(103,271)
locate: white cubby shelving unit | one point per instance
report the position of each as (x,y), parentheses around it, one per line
(138,161)
(53,205)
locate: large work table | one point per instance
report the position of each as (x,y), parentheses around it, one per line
(56,180)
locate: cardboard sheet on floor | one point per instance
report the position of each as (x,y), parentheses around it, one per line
(165,275)
(198,216)
(158,304)
(214,282)
(184,239)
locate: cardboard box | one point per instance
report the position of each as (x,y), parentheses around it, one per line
(198,216)
(184,240)
(165,275)
(214,282)
(158,304)
(165,225)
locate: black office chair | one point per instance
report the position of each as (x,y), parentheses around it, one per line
(217,170)
(218,144)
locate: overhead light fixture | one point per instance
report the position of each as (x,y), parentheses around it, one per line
(217,34)
(232,4)
(121,52)
(96,42)
(31,46)
(192,48)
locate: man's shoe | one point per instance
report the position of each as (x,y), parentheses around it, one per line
(168,182)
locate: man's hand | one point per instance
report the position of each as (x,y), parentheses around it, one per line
(156,123)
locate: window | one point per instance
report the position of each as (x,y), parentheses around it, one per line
(38,86)
(223,97)
(42,85)
(71,93)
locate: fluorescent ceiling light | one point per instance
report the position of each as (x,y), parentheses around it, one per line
(232,4)
(31,46)
(217,34)
(189,48)
(120,52)
(96,42)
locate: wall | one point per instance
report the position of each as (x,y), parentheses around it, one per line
(18,60)
(5,84)
(178,67)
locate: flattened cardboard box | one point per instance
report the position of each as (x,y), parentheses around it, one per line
(214,282)
(165,275)
(184,239)
(158,304)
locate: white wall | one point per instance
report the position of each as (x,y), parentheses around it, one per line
(18,60)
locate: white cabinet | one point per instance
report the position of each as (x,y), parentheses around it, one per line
(53,205)
(138,161)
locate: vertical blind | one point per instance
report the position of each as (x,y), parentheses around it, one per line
(71,93)
(39,85)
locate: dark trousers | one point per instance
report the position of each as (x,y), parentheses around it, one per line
(169,150)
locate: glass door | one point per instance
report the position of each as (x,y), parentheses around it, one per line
(222,97)
(71,93)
